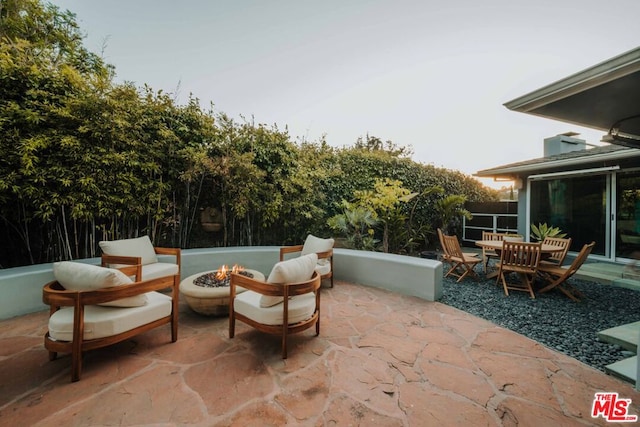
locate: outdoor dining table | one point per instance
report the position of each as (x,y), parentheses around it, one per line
(496,245)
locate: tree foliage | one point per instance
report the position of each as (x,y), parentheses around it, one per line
(84,159)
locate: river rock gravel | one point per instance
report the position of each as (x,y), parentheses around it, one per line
(551,318)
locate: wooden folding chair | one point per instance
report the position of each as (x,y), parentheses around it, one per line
(461,264)
(557,276)
(556,258)
(445,256)
(522,258)
(488,253)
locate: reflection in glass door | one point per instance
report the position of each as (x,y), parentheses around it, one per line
(578,205)
(628,214)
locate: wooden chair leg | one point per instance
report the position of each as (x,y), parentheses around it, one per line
(174,308)
(76,365)
(284,345)
(527,282)
(174,330)
(504,284)
(232,325)
(454,268)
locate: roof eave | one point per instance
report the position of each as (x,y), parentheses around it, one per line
(612,69)
(513,171)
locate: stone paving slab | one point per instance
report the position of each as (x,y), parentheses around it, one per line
(381,359)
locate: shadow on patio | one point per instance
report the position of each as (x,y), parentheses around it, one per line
(381,359)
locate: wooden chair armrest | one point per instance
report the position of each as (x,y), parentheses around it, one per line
(311,285)
(326,254)
(170,251)
(252,284)
(167,251)
(134,262)
(289,250)
(273,289)
(106,260)
(133,270)
(100,296)
(55,295)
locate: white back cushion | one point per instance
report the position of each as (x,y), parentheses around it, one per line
(76,276)
(293,270)
(290,271)
(314,244)
(140,246)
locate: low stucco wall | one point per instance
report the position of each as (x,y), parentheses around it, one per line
(21,287)
(403,274)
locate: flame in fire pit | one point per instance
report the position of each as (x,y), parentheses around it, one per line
(223,271)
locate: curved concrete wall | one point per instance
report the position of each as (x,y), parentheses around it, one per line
(398,273)
(21,287)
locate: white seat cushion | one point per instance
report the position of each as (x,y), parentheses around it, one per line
(301,307)
(100,322)
(323,268)
(139,247)
(159,269)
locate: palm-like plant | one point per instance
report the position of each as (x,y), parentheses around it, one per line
(449,208)
(356,223)
(540,231)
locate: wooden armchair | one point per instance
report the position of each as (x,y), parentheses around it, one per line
(289,302)
(93,307)
(323,248)
(141,253)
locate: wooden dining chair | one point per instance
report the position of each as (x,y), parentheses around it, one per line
(445,256)
(556,258)
(557,276)
(488,253)
(522,258)
(461,264)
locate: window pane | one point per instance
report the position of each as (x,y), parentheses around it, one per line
(576,205)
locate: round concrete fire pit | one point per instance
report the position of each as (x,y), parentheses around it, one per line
(210,301)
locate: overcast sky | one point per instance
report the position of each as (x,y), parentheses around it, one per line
(425,73)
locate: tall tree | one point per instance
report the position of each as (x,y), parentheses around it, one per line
(43,67)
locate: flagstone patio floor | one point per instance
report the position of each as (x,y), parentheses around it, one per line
(381,359)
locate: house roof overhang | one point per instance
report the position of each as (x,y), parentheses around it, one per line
(605,96)
(599,157)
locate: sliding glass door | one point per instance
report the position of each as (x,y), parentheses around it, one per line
(628,214)
(577,205)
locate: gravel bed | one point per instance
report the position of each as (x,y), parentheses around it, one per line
(551,318)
